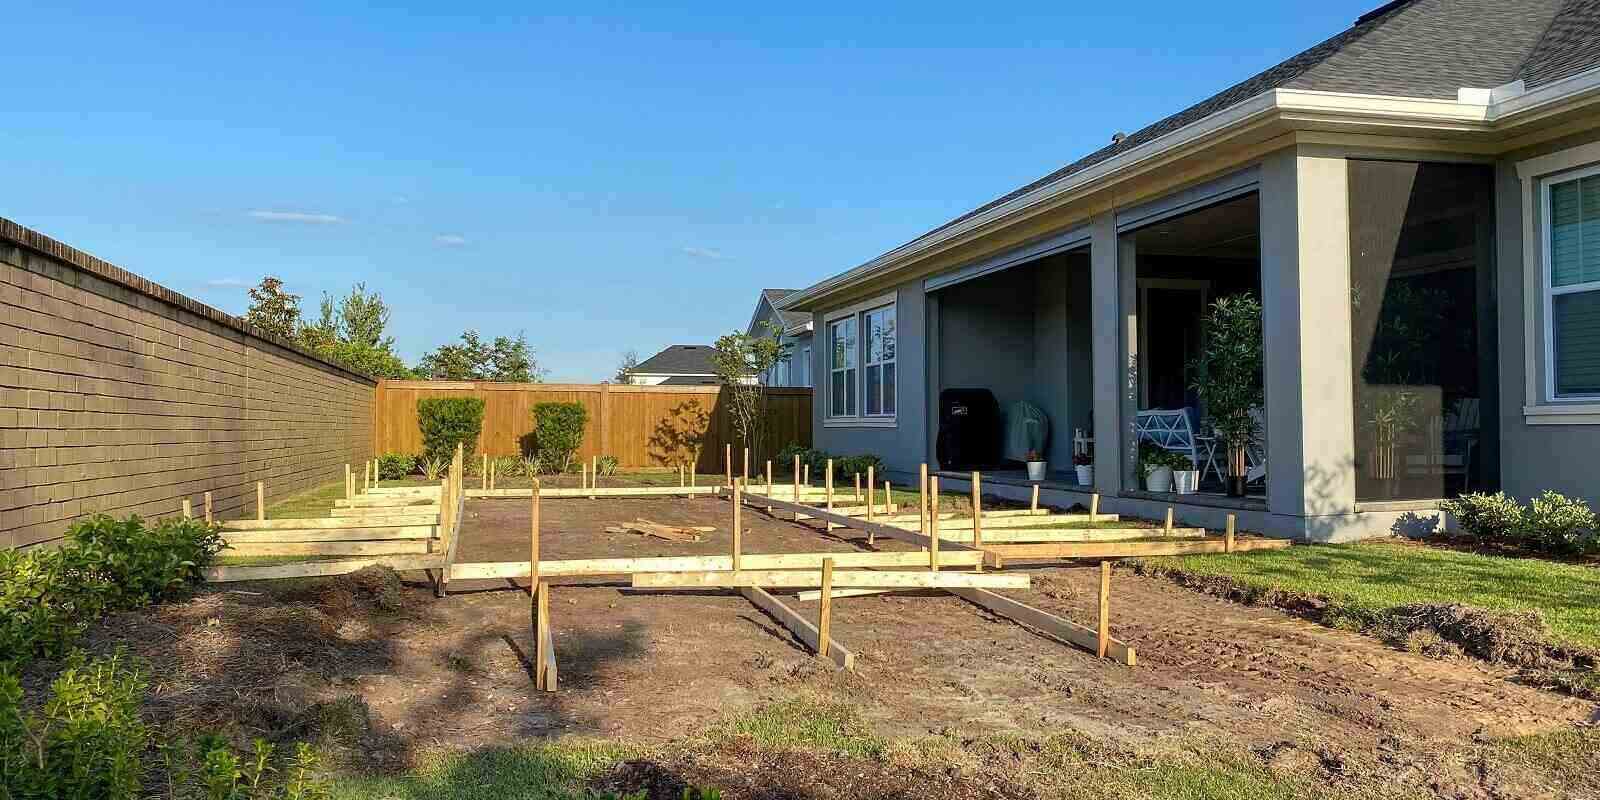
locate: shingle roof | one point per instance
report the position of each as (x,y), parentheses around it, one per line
(679,359)
(790,319)
(1410,48)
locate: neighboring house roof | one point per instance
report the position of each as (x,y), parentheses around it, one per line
(1407,48)
(678,359)
(689,380)
(791,321)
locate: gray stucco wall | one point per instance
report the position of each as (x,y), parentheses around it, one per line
(902,445)
(1532,457)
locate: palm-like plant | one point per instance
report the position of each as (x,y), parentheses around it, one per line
(1227,377)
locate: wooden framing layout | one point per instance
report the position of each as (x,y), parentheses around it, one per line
(997,555)
(1009,535)
(1047,623)
(597,567)
(800,627)
(607,491)
(845,579)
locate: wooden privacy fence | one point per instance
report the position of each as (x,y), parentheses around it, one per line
(643,426)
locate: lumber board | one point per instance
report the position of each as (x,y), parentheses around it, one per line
(605,491)
(1021,535)
(845,521)
(816,594)
(393,490)
(1047,623)
(1001,552)
(1026,521)
(801,627)
(763,561)
(853,511)
(386,511)
(1004,513)
(365,548)
(387,501)
(319,523)
(315,569)
(844,579)
(331,534)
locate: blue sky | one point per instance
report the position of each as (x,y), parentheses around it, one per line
(602,176)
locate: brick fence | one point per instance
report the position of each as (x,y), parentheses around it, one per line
(120,396)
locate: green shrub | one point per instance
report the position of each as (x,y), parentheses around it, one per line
(606,466)
(1561,524)
(394,466)
(1488,517)
(448,421)
(87,740)
(857,465)
(558,432)
(508,467)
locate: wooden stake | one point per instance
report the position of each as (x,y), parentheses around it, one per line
(738,527)
(209,518)
(1033,505)
(188,510)
(870,537)
(533,588)
(769,484)
(933,523)
(349,485)
(533,535)
(1227,542)
(261,500)
(825,610)
(858,486)
(797,498)
(594,474)
(1167,529)
(727,462)
(828,490)
(494,473)
(977,511)
(922,499)
(1104,639)
(483,476)
(747,466)
(1094,507)
(805,474)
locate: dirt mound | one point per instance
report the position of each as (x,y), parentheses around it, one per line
(1517,638)
(745,772)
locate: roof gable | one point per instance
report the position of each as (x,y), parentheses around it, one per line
(679,359)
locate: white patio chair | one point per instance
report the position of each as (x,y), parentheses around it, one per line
(1168,430)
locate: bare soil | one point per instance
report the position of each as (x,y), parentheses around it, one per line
(453,673)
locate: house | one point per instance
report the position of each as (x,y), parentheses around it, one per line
(1414,202)
(794,331)
(678,365)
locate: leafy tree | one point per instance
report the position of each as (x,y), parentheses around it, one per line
(505,359)
(629,363)
(350,330)
(742,363)
(273,309)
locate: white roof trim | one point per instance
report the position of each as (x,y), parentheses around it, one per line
(1369,108)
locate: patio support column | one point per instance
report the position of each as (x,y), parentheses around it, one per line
(1305,293)
(1106,328)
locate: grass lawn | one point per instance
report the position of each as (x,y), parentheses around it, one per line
(1369,578)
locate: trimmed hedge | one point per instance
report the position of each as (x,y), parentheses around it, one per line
(558,433)
(448,421)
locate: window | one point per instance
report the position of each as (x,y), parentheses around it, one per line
(861,363)
(879,324)
(1572,285)
(842,367)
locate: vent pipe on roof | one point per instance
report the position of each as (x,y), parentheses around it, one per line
(1116,138)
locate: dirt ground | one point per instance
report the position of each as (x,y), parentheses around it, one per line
(453,673)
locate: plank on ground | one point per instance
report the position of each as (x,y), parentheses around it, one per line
(1046,622)
(1028,521)
(1018,535)
(331,535)
(1000,553)
(315,569)
(763,561)
(399,546)
(315,523)
(844,579)
(387,511)
(801,627)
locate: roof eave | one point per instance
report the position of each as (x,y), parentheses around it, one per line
(1297,107)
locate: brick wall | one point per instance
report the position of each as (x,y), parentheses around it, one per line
(120,396)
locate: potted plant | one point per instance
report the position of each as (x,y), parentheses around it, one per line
(1036,465)
(1185,475)
(1156,465)
(1227,377)
(1083,464)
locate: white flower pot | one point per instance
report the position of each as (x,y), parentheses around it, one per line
(1159,480)
(1036,470)
(1085,474)
(1185,481)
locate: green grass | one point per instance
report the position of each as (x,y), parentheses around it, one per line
(805,723)
(552,771)
(316,502)
(1369,578)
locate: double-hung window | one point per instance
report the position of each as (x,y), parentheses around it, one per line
(861,364)
(1572,285)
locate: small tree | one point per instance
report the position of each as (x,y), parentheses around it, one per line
(742,363)
(625,368)
(1227,377)
(446,421)
(558,433)
(273,309)
(504,359)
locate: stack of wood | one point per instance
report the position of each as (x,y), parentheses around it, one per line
(674,533)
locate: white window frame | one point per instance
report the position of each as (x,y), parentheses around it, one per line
(1541,406)
(859,418)
(867,364)
(1549,291)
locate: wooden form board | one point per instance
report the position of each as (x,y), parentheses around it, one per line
(1017,535)
(890,531)
(602,491)
(332,534)
(1015,521)
(988,516)
(359,548)
(1000,553)
(760,561)
(1047,623)
(331,523)
(386,511)
(857,511)
(801,627)
(317,569)
(845,579)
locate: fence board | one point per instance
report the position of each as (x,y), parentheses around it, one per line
(643,426)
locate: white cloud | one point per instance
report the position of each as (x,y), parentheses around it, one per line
(707,253)
(305,217)
(450,240)
(228,283)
